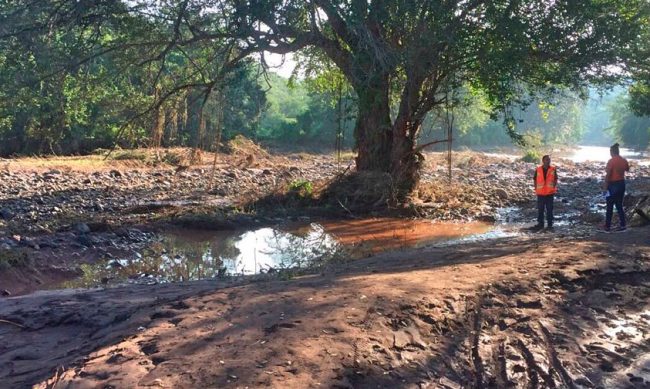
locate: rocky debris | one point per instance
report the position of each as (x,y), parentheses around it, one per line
(33,205)
(82,214)
(81,228)
(6,214)
(640,213)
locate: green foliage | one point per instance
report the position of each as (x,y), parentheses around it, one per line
(629,129)
(531,156)
(285,105)
(60,96)
(639,102)
(302,188)
(302,112)
(556,120)
(81,75)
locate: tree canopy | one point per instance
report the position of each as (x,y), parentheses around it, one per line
(402,59)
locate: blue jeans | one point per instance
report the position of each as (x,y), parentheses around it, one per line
(545,203)
(616,193)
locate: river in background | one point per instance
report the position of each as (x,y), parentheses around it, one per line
(601,154)
(581,154)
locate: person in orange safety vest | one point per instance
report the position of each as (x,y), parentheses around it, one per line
(545,180)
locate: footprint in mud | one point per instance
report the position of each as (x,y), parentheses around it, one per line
(157,360)
(101,376)
(588,272)
(175,321)
(529,303)
(607,367)
(163,315)
(635,379)
(180,305)
(148,348)
(277,326)
(117,359)
(332,330)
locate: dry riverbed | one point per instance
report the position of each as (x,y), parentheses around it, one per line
(568,309)
(57,214)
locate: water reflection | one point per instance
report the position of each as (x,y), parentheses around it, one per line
(183,255)
(269,249)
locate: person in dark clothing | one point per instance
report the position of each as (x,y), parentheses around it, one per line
(615,186)
(545,181)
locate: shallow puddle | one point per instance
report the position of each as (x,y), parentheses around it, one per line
(182,255)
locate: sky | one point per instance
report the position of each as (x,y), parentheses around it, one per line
(276,64)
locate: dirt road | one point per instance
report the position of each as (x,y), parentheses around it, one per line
(535,311)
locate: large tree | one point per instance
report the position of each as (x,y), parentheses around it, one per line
(394,53)
(411,54)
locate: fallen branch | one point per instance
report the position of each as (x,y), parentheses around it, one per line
(421,147)
(12,323)
(339,176)
(345,208)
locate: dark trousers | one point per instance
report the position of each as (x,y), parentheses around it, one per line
(616,193)
(545,203)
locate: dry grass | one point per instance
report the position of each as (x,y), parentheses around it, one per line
(118,159)
(463,159)
(240,145)
(437,192)
(76,163)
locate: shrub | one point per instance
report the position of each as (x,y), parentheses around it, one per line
(531,156)
(14,258)
(302,188)
(127,155)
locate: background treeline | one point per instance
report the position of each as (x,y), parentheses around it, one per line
(103,101)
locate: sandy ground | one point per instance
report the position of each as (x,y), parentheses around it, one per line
(536,311)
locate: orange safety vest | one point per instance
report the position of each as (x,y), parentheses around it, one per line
(545,186)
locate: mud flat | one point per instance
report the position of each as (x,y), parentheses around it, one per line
(518,312)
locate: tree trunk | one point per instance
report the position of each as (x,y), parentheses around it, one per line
(383,146)
(405,162)
(373,130)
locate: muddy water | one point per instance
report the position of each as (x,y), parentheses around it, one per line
(181,255)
